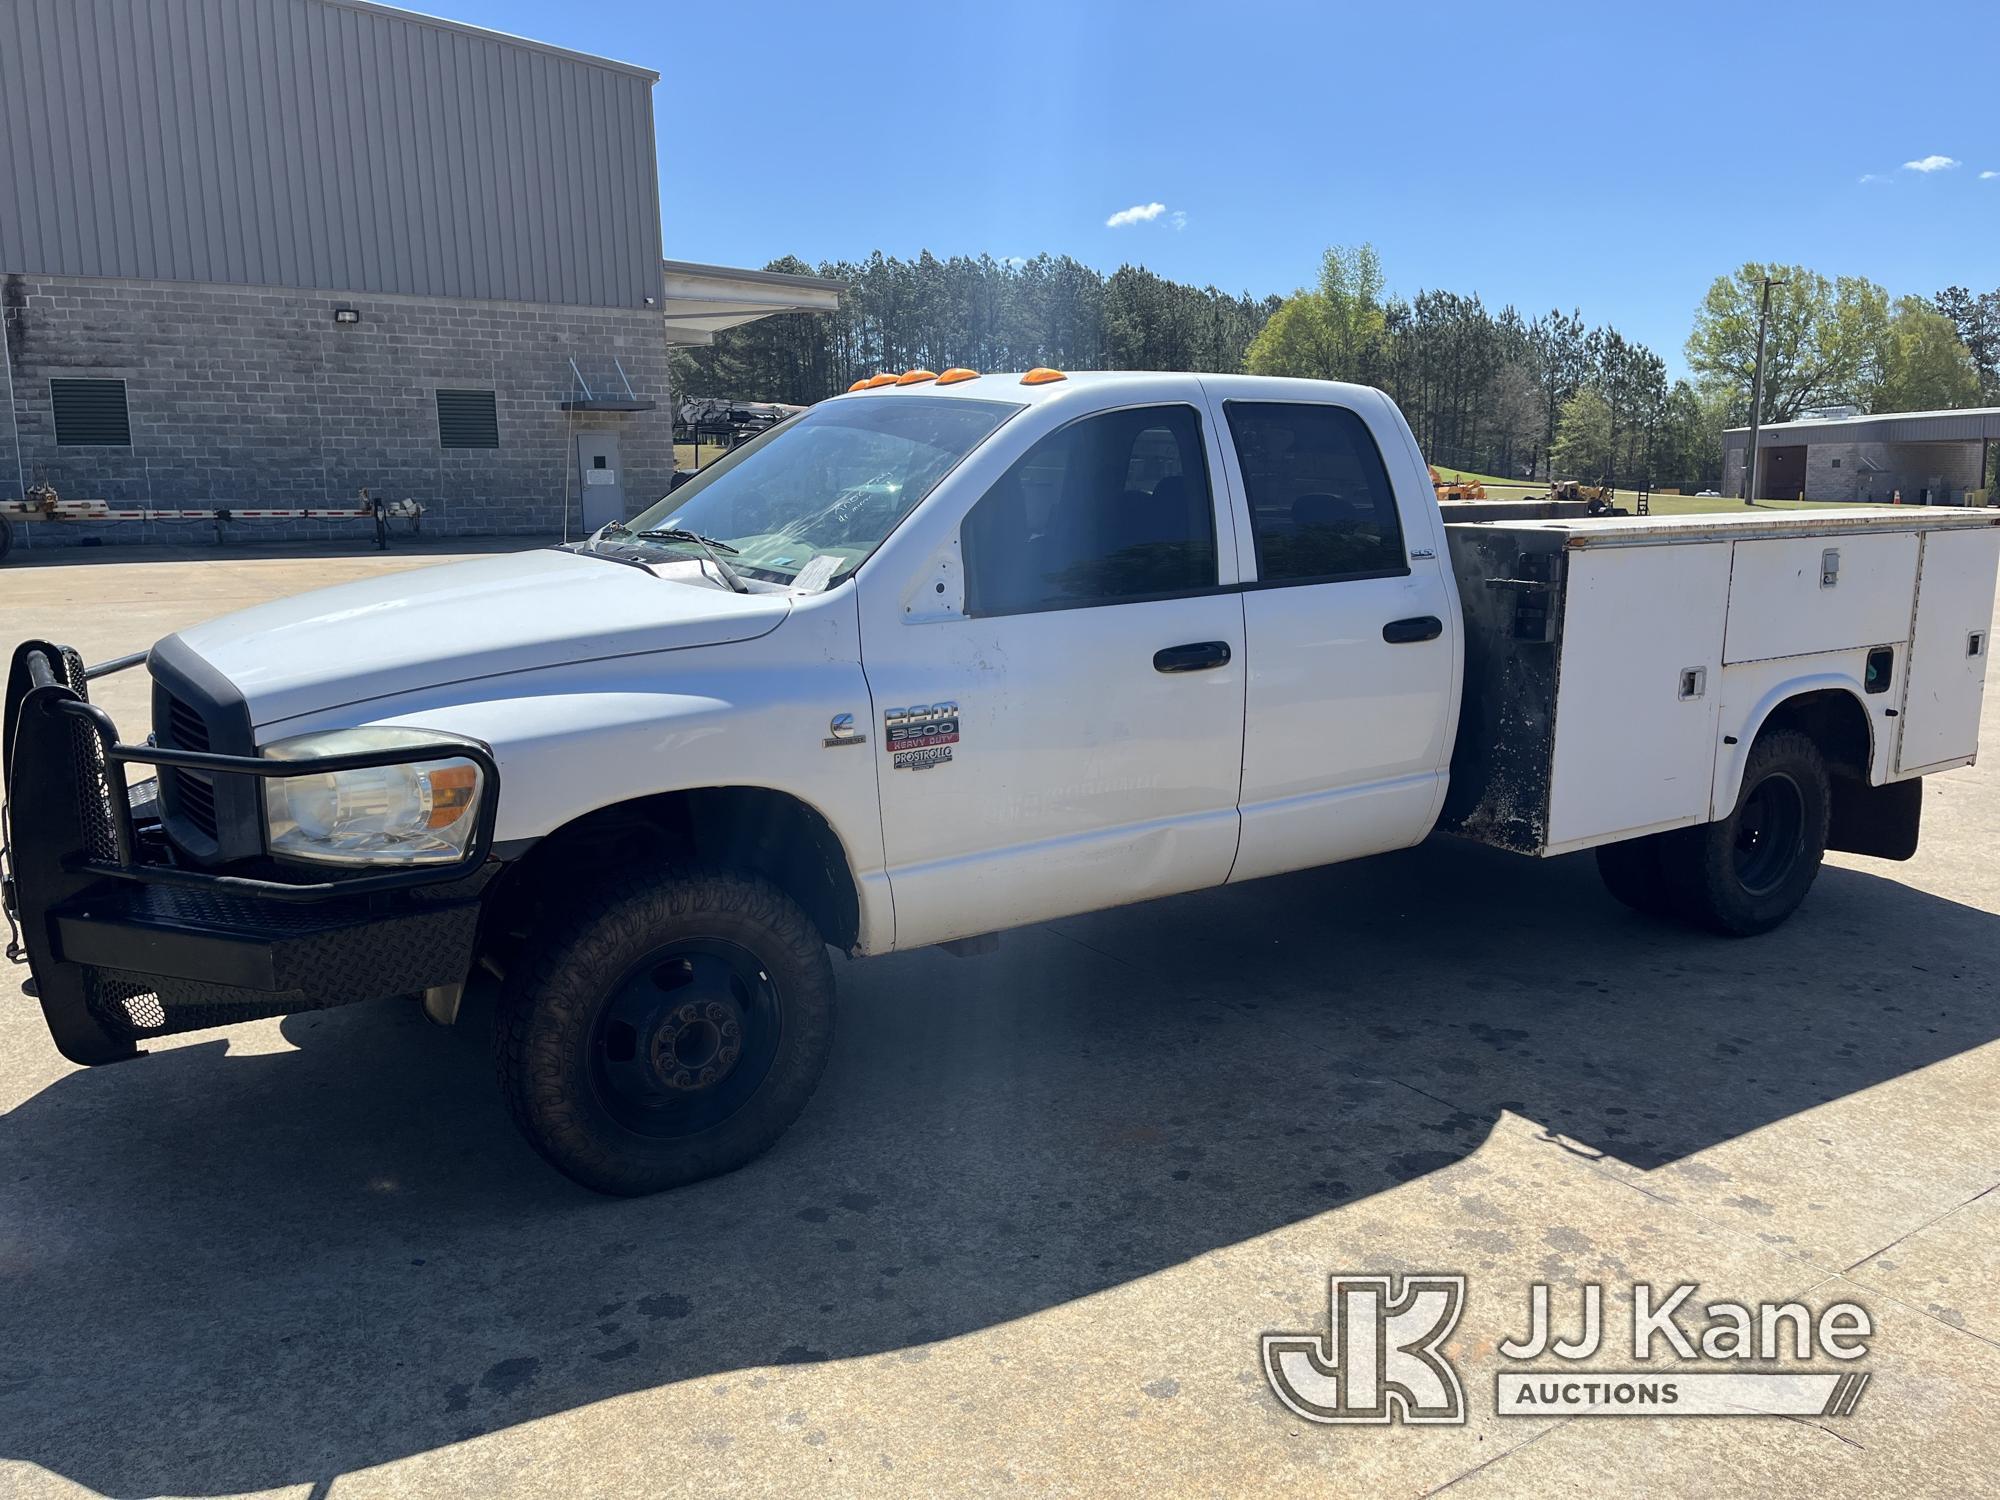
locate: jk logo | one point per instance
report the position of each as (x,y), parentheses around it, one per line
(1379,1359)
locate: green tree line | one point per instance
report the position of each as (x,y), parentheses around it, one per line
(1493,392)
(980,312)
(1487,392)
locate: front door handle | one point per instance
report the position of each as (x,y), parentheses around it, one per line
(1419,628)
(1197,656)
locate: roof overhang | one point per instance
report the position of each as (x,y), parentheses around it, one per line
(701,301)
(1966,425)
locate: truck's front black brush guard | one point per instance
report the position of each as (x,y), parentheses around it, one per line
(124,943)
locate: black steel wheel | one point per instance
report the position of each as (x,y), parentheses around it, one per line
(1770,833)
(669,1026)
(685,1037)
(1748,872)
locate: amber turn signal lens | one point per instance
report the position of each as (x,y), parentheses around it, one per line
(452,791)
(1042,375)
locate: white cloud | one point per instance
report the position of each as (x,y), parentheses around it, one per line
(1988,176)
(1178,218)
(1867,177)
(1013,260)
(1930,164)
(1138,213)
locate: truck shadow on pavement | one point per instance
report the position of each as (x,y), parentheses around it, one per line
(226,1270)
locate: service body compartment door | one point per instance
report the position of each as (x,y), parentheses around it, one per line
(1637,689)
(1799,596)
(1947,677)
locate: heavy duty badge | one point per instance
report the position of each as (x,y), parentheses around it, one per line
(920,736)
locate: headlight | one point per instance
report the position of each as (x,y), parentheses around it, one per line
(420,811)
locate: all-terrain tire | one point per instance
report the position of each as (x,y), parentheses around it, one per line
(1748,872)
(1634,872)
(549,1020)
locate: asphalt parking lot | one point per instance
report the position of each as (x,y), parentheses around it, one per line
(1028,1234)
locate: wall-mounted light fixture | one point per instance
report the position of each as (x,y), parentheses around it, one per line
(347,315)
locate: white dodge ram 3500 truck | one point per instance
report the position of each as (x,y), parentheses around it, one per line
(939,657)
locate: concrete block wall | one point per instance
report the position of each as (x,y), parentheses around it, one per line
(1835,471)
(251,396)
(1905,466)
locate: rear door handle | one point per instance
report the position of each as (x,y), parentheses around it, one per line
(1418,628)
(1197,656)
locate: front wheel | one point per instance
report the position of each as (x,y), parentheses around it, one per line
(669,1027)
(1747,873)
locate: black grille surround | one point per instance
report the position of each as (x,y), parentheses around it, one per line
(212,819)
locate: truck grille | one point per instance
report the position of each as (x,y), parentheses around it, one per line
(212,817)
(195,793)
(183,728)
(186,726)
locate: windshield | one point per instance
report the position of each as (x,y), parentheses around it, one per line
(829,484)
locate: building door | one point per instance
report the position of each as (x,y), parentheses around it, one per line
(603,483)
(1783,475)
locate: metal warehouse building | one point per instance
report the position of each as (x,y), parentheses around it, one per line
(270,252)
(1930,457)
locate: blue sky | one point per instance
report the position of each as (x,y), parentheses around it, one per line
(1610,156)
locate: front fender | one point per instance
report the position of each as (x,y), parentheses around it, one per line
(572,740)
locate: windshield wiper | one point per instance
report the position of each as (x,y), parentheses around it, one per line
(682,534)
(708,545)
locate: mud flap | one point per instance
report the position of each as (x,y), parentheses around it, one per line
(1876,820)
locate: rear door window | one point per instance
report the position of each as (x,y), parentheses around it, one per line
(1321,506)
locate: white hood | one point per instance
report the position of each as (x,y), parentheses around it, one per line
(432,626)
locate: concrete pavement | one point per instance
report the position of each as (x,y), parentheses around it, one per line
(1029,1232)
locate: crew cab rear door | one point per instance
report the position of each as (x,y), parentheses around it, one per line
(1351,625)
(1058,680)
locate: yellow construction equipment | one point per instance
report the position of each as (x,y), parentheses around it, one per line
(1598,497)
(1457,488)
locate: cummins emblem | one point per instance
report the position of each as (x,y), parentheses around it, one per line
(841,731)
(921,735)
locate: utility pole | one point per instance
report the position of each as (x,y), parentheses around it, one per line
(1750,459)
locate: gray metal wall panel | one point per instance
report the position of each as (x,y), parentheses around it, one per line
(1970,425)
(318,145)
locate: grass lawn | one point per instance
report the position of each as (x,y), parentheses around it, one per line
(687,456)
(1662,505)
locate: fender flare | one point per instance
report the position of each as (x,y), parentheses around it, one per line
(1730,759)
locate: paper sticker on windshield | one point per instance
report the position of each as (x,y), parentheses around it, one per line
(921,735)
(814,575)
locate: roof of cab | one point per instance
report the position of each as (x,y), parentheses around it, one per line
(1007,386)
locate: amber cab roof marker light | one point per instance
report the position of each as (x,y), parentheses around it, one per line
(957,373)
(859,385)
(1042,375)
(876,381)
(916,377)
